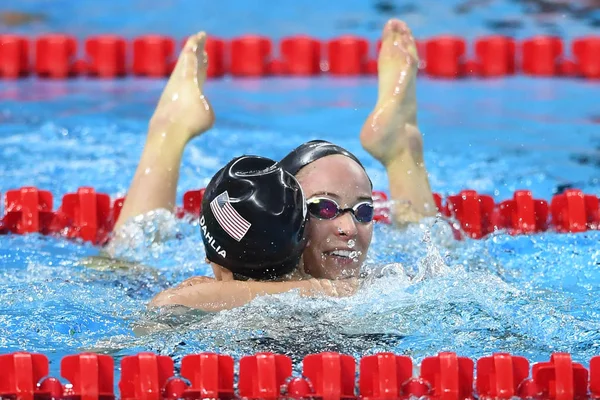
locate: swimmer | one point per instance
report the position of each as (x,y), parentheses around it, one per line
(390,134)
(253,219)
(182,113)
(252,223)
(338,244)
(341,210)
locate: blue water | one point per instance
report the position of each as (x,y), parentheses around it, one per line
(528,295)
(468,18)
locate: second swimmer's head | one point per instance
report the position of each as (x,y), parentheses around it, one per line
(253,218)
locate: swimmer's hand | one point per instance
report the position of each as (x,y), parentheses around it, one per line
(209,295)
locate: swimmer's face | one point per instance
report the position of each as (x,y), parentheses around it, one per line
(337,247)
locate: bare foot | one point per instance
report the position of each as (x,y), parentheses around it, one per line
(391,129)
(390,133)
(182,107)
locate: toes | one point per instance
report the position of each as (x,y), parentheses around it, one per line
(397,31)
(202,59)
(394,25)
(201,39)
(190,44)
(195,42)
(390,28)
(408,41)
(192,56)
(201,54)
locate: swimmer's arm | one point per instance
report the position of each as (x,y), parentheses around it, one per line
(212,296)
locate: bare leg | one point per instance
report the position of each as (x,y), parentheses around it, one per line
(390,133)
(182,113)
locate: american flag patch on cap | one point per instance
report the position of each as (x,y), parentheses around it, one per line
(230,220)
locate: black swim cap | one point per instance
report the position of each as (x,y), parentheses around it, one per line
(311,151)
(253,218)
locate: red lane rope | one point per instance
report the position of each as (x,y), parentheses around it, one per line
(60,56)
(447,376)
(90,216)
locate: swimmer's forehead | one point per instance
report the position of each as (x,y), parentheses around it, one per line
(336,175)
(360,197)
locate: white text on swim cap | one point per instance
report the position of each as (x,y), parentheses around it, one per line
(211,240)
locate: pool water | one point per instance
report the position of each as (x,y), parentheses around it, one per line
(528,295)
(467,18)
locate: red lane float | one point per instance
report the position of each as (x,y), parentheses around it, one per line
(20,374)
(106,56)
(383,375)
(153,56)
(90,216)
(473,211)
(250,56)
(568,68)
(327,376)
(85,215)
(449,376)
(471,68)
(331,374)
(262,375)
(445,56)
(560,378)
(541,55)
(143,376)
(215,51)
(55,56)
(495,56)
(573,211)
(192,202)
(499,376)
(90,375)
(210,376)
(14,56)
(595,376)
(301,56)
(347,55)
(28,210)
(382,209)
(587,55)
(523,214)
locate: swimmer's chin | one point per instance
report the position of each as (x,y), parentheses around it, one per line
(331,269)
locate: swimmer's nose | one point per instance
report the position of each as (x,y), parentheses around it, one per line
(346,226)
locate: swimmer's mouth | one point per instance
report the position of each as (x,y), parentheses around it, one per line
(342,253)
